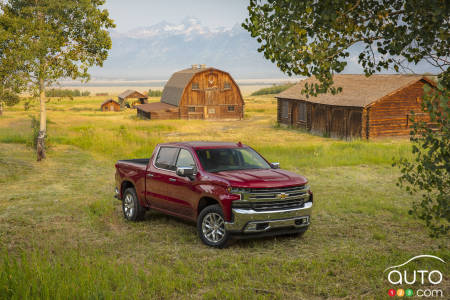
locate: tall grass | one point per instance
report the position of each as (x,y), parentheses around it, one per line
(73,275)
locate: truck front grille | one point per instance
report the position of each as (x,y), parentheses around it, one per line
(273,198)
(283,193)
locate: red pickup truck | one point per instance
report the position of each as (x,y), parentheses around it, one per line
(228,189)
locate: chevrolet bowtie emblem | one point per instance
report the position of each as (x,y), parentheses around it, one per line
(282,195)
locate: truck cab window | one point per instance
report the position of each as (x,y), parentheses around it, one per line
(185,159)
(166,158)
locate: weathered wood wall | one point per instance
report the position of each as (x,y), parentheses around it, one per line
(326,120)
(157,115)
(389,115)
(213,99)
(110,106)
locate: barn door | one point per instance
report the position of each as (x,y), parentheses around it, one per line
(337,126)
(355,124)
(294,114)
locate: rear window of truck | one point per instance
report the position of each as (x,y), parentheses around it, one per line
(166,158)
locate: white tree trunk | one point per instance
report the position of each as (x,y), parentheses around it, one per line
(40,143)
(1,108)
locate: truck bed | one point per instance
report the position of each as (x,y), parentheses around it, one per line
(133,164)
(137,161)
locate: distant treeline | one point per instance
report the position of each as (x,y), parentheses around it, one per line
(275,89)
(65,93)
(154,93)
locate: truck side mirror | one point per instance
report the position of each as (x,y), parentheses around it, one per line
(275,165)
(186,171)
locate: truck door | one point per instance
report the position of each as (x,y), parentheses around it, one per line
(160,170)
(182,189)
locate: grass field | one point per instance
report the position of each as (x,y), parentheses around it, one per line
(62,234)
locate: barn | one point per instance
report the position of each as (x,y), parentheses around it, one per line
(367,107)
(136,98)
(197,93)
(110,105)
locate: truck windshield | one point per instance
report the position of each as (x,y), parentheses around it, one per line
(230,159)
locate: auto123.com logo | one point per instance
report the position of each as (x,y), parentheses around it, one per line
(429,279)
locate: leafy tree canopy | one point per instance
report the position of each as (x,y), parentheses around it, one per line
(57,39)
(313,38)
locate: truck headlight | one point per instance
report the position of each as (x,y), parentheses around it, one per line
(237,190)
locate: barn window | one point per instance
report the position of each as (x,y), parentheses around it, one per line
(191,109)
(231,108)
(195,86)
(226,86)
(284,109)
(302,111)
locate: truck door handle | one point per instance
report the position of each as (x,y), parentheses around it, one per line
(172,179)
(150,175)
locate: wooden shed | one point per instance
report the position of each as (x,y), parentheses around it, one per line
(198,93)
(110,105)
(157,110)
(136,98)
(367,107)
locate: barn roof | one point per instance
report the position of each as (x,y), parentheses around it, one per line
(157,107)
(109,100)
(357,90)
(173,90)
(128,93)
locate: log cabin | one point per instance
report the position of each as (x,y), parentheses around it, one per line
(110,105)
(137,98)
(367,107)
(197,93)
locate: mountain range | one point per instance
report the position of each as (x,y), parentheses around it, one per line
(155,52)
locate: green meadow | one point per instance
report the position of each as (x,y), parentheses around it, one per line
(62,235)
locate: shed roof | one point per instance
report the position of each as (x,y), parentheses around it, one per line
(128,93)
(173,90)
(357,90)
(157,107)
(109,100)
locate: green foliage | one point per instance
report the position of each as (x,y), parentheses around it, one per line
(56,39)
(275,89)
(66,93)
(429,172)
(8,97)
(154,93)
(313,38)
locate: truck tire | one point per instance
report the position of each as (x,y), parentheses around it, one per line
(211,227)
(131,208)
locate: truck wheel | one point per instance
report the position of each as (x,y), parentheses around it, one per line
(211,227)
(132,209)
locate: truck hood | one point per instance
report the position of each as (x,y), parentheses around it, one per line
(263,178)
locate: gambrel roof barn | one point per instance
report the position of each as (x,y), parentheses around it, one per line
(198,93)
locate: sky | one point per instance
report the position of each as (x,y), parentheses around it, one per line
(130,14)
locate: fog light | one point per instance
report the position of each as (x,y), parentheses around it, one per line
(251,227)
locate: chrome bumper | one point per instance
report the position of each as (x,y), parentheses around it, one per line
(251,221)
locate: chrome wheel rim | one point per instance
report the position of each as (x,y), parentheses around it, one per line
(213,227)
(128,206)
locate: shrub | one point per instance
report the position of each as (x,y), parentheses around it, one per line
(154,93)
(275,89)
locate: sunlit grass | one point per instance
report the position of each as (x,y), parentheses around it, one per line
(62,234)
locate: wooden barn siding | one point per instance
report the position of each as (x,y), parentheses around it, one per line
(389,116)
(157,115)
(336,121)
(216,98)
(333,121)
(107,107)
